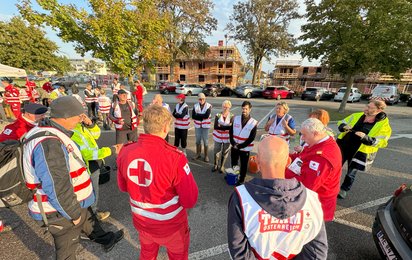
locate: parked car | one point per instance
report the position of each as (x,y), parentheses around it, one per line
(168,87)
(354,95)
(317,93)
(189,89)
(217,89)
(387,93)
(392,228)
(67,83)
(249,91)
(277,92)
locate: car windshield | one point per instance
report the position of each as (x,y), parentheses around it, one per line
(311,89)
(270,88)
(382,90)
(342,90)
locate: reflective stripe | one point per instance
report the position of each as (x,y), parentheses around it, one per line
(156,216)
(144,205)
(95,154)
(361,162)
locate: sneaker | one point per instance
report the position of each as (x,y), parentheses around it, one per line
(342,194)
(102,215)
(117,236)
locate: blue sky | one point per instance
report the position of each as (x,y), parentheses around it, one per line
(222,11)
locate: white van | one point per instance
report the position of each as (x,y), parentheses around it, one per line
(387,93)
(354,95)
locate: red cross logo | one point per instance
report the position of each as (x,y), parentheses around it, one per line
(307,214)
(140,172)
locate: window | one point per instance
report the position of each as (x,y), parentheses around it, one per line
(182,78)
(163,76)
(220,65)
(229,65)
(182,65)
(221,53)
(202,65)
(319,70)
(201,78)
(305,70)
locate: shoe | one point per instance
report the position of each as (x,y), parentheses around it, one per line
(342,194)
(102,215)
(117,236)
(214,168)
(239,183)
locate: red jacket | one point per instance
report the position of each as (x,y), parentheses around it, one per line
(160,184)
(320,172)
(47,87)
(16,129)
(139,98)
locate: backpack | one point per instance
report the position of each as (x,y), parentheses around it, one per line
(13,189)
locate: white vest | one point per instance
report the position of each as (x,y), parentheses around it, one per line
(89,99)
(79,98)
(80,178)
(273,238)
(104,104)
(222,136)
(117,113)
(23,95)
(278,129)
(182,123)
(241,134)
(205,123)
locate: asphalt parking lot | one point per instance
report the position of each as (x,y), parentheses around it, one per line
(349,235)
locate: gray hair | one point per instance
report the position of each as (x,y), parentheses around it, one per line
(227,102)
(313,125)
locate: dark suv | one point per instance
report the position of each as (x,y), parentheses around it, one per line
(316,93)
(217,89)
(168,87)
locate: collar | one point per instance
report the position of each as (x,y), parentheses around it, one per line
(28,120)
(323,139)
(57,126)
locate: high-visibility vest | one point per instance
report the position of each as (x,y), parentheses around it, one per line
(278,129)
(23,95)
(240,135)
(182,123)
(222,136)
(273,238)
(205,123)
(117,113)
(91,97)
(80,178)
(104,104)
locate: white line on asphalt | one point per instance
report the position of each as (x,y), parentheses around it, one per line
(354,225)
(217,250)
(391,174)
(270,112)
(360,207)
(397,136)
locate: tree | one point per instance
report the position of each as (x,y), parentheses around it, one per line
(359,36)
(26,46)
(190,21)
(125,34)
(261,25)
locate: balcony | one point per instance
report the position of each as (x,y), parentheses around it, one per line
(221,71)
(162,70)
(286,75)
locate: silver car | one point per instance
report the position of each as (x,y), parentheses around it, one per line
(189,89)
(248,91)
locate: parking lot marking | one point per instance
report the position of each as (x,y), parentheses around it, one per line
(360,207)
(354,225)
(391,174)
(210,252)
(268,114)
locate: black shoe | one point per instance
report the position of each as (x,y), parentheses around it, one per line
(117,236)
(239,183)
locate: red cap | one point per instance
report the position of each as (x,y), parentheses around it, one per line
(181,96)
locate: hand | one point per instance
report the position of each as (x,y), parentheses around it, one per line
(270,122)
(117,147)
(347,128)
(77,221)
(235,146)
(86,120)
(298,149)
(360,134)
(285,123)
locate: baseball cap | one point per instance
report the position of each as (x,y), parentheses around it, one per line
(65,107)
(35,109)
(121,91)
(181,96)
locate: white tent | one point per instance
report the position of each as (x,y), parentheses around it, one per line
(7,71)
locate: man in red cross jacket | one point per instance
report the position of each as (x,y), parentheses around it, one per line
(161,187)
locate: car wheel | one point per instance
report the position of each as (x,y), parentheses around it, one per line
(166,91)
(214,94)
(278,97)
(249,95)
(189,93)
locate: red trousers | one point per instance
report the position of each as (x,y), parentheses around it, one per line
(177,245)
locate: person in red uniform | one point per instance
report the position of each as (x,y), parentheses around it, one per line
(31,115)
(161,187)
(12,96)
(319,165)
(139,96)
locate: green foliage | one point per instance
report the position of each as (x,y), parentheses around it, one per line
(261,25)
(25,46)
(190,22)
(124,34)
(359,36)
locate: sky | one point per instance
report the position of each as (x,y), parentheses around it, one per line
(222,11)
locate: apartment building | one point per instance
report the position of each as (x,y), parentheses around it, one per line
(88,66)
(220,64)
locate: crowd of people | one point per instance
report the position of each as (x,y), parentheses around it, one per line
(280,215)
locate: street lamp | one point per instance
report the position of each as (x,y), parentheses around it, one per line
(224,69)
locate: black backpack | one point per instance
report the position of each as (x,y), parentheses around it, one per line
(13,189)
